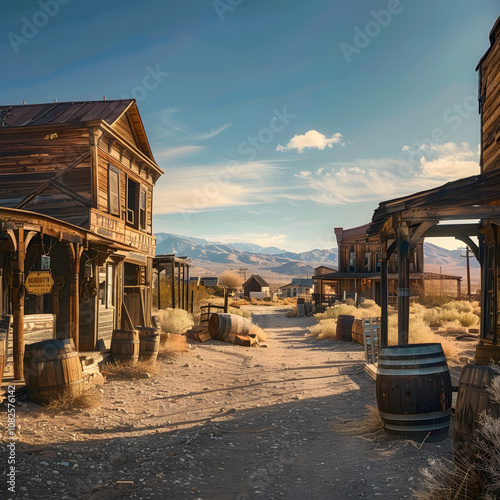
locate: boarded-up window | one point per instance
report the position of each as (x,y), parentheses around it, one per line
(114,191)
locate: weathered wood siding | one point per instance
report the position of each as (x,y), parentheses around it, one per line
(30,159)
(490,97)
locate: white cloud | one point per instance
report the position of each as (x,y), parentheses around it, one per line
(200,188)
(319,171)
(303,174)
(376,179)
(311,140)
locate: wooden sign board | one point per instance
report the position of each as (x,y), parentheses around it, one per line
(39,282)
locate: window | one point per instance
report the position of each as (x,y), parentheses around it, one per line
(137,202)
(114,190)
(352,262)
(378,258)
(368,262)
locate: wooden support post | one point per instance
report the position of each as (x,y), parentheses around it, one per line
(18,305)
(187,287)
(172,274)
(183,293)
(192,301)
(179,285)
(384,285)
(403,246)
(75,252)
(159,287)
(226,301)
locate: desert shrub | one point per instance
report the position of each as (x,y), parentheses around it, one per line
(350,302)
(367,304)
(325,329)
(292,313)
(129,371)
(230,279)
(88,398)
(174,320)
(435,300)
(468,319)
(452,327)
(462,306)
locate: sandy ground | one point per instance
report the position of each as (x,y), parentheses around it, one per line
(224,422)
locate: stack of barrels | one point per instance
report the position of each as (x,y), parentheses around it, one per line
(131,346)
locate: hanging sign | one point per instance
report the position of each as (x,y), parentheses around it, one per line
(39,282)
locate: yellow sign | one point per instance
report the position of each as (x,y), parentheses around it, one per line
(39,282)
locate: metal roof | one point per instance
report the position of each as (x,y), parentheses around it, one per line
(59,113)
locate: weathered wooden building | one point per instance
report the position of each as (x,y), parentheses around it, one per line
(76,190)
(359,271)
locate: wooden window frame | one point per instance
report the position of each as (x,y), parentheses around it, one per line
(114,170)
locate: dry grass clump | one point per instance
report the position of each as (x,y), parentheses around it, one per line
(87,399)
(174,320)
(325,329)
(293,313)
(129,370)
(370,424)
(464,480)
(457,310)
(258,332)
(170,344)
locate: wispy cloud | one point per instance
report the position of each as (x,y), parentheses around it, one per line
(311,140)
(376,179)
(166,124)
(171,153)
(197,188)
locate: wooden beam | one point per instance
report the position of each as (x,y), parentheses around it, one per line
(451,212)
(75,253)
(18,305)
(95,138)
(46,184)
(172,274)
(403,244)
(418,232)
(384,285)
(70,193)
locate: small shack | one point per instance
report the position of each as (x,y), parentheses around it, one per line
(256,287)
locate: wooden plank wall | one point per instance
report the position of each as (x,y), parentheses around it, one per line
(490,120)
(28,159)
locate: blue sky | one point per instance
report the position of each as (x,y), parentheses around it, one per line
(274,121)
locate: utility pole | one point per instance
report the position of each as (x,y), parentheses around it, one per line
(243,272)
(467,256)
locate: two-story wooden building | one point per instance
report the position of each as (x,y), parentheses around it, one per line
(76,191)
(359,270)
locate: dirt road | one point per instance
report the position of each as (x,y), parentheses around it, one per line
(225,422)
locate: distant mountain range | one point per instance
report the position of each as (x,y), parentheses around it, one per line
(215,256)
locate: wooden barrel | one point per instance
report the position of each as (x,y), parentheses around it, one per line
(125,346)
(414,391)
(357,331)
(225,327)
(149,343)
(52,368)
(344,327)
(472,399)
(3,353)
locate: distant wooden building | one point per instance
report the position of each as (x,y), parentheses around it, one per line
(255,286)
(297,287)
(359,271)
(76,190)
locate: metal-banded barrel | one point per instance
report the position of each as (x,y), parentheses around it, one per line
(344,328)
(414,391)
(473,399)
(225,327)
